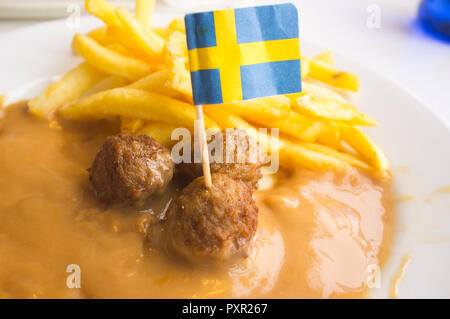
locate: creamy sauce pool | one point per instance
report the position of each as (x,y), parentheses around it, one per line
(320,234)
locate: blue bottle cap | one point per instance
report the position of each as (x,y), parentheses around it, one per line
(434,16)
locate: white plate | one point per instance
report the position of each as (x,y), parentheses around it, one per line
(415,141)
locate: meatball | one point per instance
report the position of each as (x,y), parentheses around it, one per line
(212,225)
(128,169)
(241,158)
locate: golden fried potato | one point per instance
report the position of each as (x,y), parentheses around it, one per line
(176,49)
(225,119)
(177,25)
(326,73)
(144,13)
(109,60)
(117,47)
(288,122)
(321,91)
(291,153)
(365,146)
(162,132)
(161,82)
(130,125)
(100,36)
(174,25)
(297,155)
(145,42)
(120,37)
(326,56)
(108,83)
(133,103)
(72,85)
(176,59)
(293,97)
(304,67)
(261,110)
(329,105)
(330,135)
(299,126)
(103,10)
(346,157)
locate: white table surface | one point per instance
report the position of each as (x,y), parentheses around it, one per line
(398,49)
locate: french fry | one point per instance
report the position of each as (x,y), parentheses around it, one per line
(294,96)
(120,36)
(290,122)
(133,103)
(226,119)
(102,10)
(330,135)
(155,82)
(176,59)
(71,86)
(162,32)
(100,36)
(161,132)
(323,72)
(108,83)
(144,13)
(304,67)
(365,146)
(177,25)
(321,91)
(346,157)
(291,154)
(261,110)
(160,82)
(176,49)
(130,125)
(331,108)
(300,126)
(146,42)
(117,47)
(297,155)
(109,60)
(326,56)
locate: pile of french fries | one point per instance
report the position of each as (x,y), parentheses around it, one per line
(141,74)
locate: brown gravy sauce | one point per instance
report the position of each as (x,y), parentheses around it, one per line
(319,233)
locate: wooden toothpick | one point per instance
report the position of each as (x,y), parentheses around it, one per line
(204,146)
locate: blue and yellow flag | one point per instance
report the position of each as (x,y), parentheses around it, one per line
(245,53)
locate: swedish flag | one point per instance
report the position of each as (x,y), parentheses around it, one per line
(244,53)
